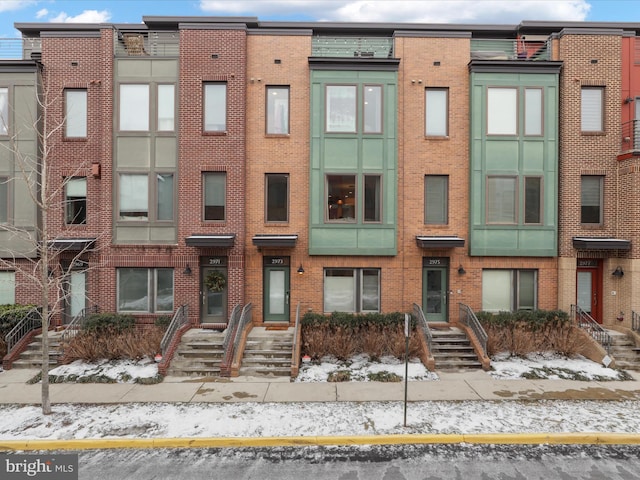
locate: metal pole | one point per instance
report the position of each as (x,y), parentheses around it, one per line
(406,364)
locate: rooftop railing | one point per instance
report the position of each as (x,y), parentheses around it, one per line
(19,48)
(367,47)
(504,49)
(147,44)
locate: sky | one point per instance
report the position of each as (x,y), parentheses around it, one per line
(411,11)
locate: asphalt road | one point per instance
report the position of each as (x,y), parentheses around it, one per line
(405,462)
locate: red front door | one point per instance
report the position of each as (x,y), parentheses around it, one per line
(589,287)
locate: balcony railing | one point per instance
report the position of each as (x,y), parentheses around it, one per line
(19,48)
(367,47)
(501,49)
(630,137)
(147,44)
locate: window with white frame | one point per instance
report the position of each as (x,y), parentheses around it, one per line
(351,290)
(591,199)
(436,112)
(7,288)
(75,201)
(134,107)
(341,102)
(509,290)
(501,200)
(277,110)
(436,198)
(75,119)
(372,109)
(277,197)
(145,290)
(592,109)
(533,109)
(166,107)
(215,107)
(502,111)
(4,111)
(4,199)
(214,195)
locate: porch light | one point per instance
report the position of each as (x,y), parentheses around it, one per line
(618,272)
(187,270)
(461,270)
(300,270)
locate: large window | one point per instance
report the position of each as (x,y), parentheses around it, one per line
(591,199)
(351,290)
(137,193)
(215,107)
(372,109)
(436,198)
(341,198)
(4,199)
(501,200)
(502,111)
(75,201)
(145,290)
(533,111)
(437,112)
(341,108)
(277,197)
(509,290)
(164,196)
(277,110)
(166,107)
(592,118)
(4,111)
(372,198)
(75,104)
(7,288)
(134,107)
(215,194)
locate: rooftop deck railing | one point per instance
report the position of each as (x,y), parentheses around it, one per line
(367,47)
(505,49)
(19,48)
(147,44)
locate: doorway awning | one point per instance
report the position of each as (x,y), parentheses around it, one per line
(225,240)
(439,241)
(283,241)
(600,243)
(72,244)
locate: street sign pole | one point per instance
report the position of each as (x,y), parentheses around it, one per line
(406,364)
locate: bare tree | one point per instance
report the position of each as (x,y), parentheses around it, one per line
(38,263)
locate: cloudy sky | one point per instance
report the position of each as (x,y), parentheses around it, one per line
(419,11)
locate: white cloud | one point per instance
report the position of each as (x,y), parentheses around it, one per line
(10,5)
(88,16)
(42,13)
(412,11)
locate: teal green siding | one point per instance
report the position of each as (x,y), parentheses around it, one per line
(514,156)
(353,154)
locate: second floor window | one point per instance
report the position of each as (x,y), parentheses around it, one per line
(436,196)
(215,194)
(591,199)
(341,108)
(134,107)
(4,111)
(591,109)
(215,107)
(75,105)
(501,200)
(277,197)
(437,112)
(75,201)
(277,110)
(137,191)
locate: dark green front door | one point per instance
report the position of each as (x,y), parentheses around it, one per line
(276,289)
(214,301)
(434,293)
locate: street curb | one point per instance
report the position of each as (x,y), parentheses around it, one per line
(257,442)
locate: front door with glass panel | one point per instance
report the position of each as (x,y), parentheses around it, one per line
(589,291)
(213,290)
(75,294)
(434,289)
(276,289)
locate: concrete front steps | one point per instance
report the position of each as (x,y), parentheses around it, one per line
(624,351)
(268,353)
(452,350)
(198,354)
(31,357)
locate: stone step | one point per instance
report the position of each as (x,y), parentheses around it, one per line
(263,361)
(266,372)
(200,353)
(197,371)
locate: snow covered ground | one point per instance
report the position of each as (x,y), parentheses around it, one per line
(343,418)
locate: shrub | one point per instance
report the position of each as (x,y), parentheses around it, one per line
(103,322)
(10,316)
(162,322)
(109,343)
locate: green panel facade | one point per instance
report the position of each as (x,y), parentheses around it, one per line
(353,194)
(514,156)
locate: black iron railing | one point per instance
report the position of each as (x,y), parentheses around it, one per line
(180,318)
(588,324)
(423,325)
(468,318)
(31,320)
(635,321)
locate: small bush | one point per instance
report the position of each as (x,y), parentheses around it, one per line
(113,322)
(384,377)
(109,343)
(162,322)
(339,376)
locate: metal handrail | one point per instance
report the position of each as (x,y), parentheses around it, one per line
(586,322)
(635,321)
(468,318)
(245,318)
(179,319)
(30,322)
(77,324)
(422,321)
(230,332)
(295,356)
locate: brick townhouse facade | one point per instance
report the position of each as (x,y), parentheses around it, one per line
(339,167)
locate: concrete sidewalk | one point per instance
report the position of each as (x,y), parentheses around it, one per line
(474,385)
